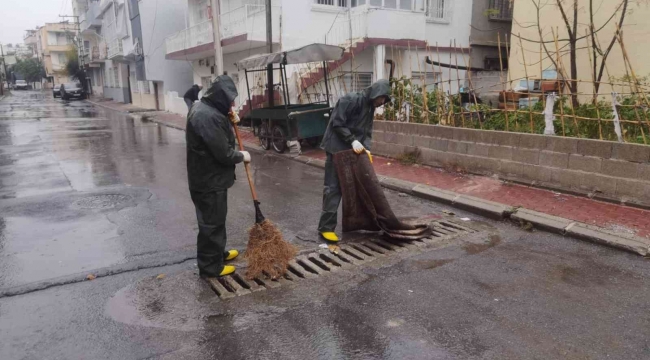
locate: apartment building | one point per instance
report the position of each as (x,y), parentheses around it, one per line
(30,41)
(123,49)
(372,31)
(88,47)
(489,45)
(53,41)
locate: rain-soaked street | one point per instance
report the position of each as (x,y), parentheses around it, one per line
(85,190)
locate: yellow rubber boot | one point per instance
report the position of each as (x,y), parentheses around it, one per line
(227,270)
(329,236)
(232,254)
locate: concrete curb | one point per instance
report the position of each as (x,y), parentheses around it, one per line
(499,211)
(486,208)
(105,106)
(541,220)
(595,234)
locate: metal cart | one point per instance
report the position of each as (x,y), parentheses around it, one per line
(275,125)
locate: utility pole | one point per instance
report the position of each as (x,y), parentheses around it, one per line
(4,63)
(77,37)
(216,30)
(269,43)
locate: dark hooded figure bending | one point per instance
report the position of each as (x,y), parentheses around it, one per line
(350,127)
(211,159)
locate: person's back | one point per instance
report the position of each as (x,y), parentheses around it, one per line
(192,95)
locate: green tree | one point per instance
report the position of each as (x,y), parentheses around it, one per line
(31,69)
(72,67)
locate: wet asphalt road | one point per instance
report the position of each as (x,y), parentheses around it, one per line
(84,190)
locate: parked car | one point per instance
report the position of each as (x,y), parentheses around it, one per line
(70,90)
(21,85)
(56,90)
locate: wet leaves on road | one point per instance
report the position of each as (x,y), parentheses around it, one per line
(334,249)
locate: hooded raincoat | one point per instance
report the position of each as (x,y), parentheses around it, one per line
(211,159)
(352,119)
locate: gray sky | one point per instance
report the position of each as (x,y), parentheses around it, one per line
(20,15)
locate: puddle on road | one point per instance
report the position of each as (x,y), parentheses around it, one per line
(179,302)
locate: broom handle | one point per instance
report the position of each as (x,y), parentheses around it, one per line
(246,165)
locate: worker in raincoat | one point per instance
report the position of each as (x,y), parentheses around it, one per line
(211,159)
(350,127)
(192,95)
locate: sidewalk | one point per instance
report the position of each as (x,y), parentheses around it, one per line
(577,216)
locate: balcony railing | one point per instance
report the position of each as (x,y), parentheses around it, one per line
(366,23)
(115,49)
(191,37)
(248,19)
(500,10)
(90,16)
(101,50)
(97,53)
(339,34)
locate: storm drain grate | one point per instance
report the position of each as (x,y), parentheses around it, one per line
(323,262)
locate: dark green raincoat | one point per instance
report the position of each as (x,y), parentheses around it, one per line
(351,120)
(211,159)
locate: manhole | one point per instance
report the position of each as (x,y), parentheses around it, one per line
(105,201)
(323,262)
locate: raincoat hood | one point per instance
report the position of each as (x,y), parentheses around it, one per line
(221,94)
(378,89)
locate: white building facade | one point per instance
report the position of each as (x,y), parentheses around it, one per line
(405,32)
(124,41)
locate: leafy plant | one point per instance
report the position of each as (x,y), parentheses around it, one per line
(591,121)
(72,67)
(31,69)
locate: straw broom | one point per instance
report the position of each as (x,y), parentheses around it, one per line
(267,252)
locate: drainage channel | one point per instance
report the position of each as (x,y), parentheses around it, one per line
(324,262)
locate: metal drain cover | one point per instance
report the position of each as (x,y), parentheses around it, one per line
(323,262)
(104,201)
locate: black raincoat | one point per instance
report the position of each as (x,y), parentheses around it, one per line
(211,154)
(211,159)
(352,119)
(192,93)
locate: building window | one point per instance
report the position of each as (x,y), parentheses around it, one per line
(355,82)
(392,4)
(406,4)
(439,10)
(356,3)
(62,59)
(430,79)
(500,10)
(340,3)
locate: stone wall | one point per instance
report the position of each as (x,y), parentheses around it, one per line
(602,169)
